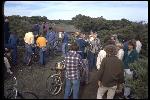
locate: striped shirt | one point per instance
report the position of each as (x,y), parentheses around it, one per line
(73,64)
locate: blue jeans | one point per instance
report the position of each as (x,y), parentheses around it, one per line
(64,49)
(28,53)
(81,54)
(42,56)
(76,85)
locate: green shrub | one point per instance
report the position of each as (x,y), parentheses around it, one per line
(139,86)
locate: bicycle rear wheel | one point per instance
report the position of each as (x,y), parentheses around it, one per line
(54,84)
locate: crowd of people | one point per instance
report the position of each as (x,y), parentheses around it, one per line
(86,52)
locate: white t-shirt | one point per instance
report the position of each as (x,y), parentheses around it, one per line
(138,46)
(101,55)
(120,54)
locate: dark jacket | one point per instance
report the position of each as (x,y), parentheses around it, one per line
(13,40)
(6,32)
(129,58)
(82,44)
(111,71)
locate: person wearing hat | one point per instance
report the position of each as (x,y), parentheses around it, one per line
(111,74)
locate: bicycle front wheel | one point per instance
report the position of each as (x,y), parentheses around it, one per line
(54,84)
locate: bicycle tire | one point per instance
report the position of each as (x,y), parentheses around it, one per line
(35,58)
(54,84)
(11,95)
(29,95)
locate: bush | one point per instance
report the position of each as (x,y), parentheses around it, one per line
(140,85)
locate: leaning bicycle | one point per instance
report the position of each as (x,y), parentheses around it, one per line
(13,93)
(54,82)
(35,56)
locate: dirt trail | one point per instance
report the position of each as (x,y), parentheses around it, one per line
(33,78)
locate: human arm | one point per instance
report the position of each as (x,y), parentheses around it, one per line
(120,54)
(98,61)
(101,55)
(101,71)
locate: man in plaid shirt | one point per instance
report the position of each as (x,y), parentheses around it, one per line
(73,64)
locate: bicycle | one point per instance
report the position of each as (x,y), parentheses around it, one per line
(13,92)
(53,50)
(35,56)
(55,81)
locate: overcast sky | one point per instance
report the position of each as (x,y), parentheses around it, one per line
(110,10)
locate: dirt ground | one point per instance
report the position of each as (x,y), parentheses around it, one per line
(33,78)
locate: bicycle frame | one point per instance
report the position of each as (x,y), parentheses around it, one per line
(16,91)
(14,88)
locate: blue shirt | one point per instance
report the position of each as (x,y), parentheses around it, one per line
(66,38)
(13,40)
(81,43)
(50,36)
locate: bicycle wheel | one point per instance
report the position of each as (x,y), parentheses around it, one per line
(54,84)
(11,95)
(35,58)
(29,95)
